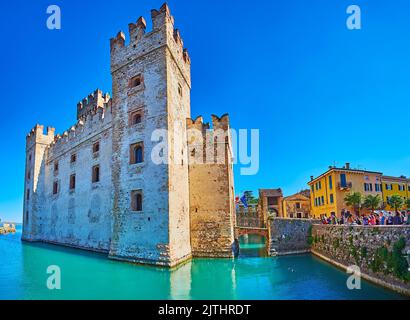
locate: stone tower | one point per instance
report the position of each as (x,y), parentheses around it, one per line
(211,187)
(34,194)
(150,104)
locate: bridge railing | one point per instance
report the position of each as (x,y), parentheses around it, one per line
(249,217)
(250,222)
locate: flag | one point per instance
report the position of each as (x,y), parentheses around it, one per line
(237,203)
(244,201)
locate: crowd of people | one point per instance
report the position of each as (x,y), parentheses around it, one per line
(385,218)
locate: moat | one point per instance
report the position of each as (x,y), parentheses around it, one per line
(87,275)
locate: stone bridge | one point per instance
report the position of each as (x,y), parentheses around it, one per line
(283,235)
(241,231)
(251,221)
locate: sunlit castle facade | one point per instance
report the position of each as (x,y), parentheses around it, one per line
(97,187)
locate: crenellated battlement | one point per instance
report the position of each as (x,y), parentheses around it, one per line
(220,123)
(141,42)
(37,134)
(217,123)
(201,135)
(93,122)
(198,124)
(94,101)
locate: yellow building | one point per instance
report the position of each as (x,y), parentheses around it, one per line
(327,191)
(394,186)
(297,205)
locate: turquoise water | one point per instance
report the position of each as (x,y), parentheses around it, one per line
(87,275)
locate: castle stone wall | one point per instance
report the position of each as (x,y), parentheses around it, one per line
(150,78)
(289,236)
(160,233)
(79,217)
(371,248)
(211,190)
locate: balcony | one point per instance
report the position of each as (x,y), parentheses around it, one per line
(344,186)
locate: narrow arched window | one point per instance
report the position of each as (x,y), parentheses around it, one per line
(137,153)
(96,174)
(137,118)
(136,200)
(139,201)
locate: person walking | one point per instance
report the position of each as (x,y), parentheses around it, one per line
(382,219)
(397,219)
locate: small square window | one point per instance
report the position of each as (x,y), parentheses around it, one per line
(73,158)
(136,200)
(135,81)
(96,147)
(135,117)
(96,174)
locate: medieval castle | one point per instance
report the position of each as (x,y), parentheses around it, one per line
(96,186)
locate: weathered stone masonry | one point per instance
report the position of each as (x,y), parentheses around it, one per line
(137,211)
(379,251)
(289,236)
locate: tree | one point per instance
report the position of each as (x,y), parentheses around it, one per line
(250,198)
(396,202)
(372,202)
(408,204)
(355,201)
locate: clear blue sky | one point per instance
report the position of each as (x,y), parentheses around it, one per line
(318,92)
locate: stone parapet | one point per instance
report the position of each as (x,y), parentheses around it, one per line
(379,251)
(289,236)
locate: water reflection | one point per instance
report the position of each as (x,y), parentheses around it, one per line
(180,282)
(252,245)
(88,275)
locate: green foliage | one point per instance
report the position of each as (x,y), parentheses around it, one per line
(380,257)
(363,252)
(354,200)
(309,236)
(250,197)
(396,202)
(372,202)
(398,261)
(336,243)
(408,203)
(355,254)
(394,261)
